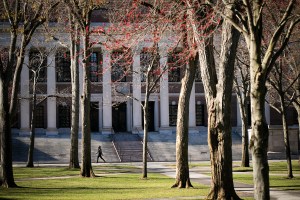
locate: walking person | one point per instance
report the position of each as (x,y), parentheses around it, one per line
(100,154)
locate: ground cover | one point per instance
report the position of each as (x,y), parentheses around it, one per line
(112,182)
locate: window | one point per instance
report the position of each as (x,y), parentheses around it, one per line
(121,64)
(63,62)
(64,116)
(199,114)
(173,114)
(198,72)
(95,63)
(39,116)
(37,65)
(148,59)
(175,63)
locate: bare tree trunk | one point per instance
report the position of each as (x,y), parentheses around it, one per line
(86,166)
(260,135)
(145,142)
(74,52)
(182,179)
(32,127)
(219,120)
(297,107)
(245,145)
(286,139)
(245,137)
(5,132)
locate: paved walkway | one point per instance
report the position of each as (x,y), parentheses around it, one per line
(243,190)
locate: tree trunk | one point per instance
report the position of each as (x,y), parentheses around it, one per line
(245,145)
(182,179)
(32,127)
(5,132)
(245,138)
(219,119)
(86,166)
(242,96)
(145,108)
(74,52)
(286,139)
(297,107)
(260,134)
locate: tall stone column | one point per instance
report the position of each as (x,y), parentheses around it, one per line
(192,112)
(51,101)
(164,96)
(25,101)
(136,87)
(267,112)
(107,109)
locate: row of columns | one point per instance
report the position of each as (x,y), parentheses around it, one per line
(106,114)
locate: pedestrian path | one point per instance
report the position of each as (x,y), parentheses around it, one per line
(243,190)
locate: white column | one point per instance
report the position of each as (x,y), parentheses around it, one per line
(25,101)
(51,101)
(238,114)
(192,112)
(136,92)
(267,112)
(164,97)
(156,114)
(100,114)
(107,112)
(129,115)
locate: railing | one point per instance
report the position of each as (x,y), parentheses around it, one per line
(117,148)
(142,141)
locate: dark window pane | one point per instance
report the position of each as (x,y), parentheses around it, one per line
(40,114)
(148,59)
(63,62)
(95,63)
(64,116)
(175,62)
(200,115)
(121,66)
(37,64)
(173,115)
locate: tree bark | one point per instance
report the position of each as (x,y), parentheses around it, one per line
(286,138)
(245,145)
(74,52)
(86,166)
(32,126)
(145,139)
(245,138)
(260,133)
(218,92)
(219,124)
(5,132)
(182,179)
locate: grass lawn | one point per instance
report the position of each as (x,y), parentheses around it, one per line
(112,183)
(278,175)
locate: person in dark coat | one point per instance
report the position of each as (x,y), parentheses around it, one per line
(100,154)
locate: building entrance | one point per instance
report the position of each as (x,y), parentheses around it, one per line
(94,114)
(150,115)
(119,117)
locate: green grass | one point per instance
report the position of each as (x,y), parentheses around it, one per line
(111,186)
(40,172)
(277,173)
